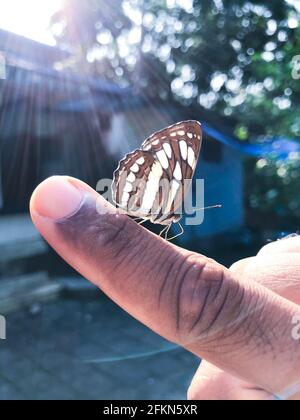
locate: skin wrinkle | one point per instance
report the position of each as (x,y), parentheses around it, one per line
(85,214)
(259,320)
(241,310)
(239,322)
(144,260)
(179,297)
(102,230)
(250,350)
(174,287)
(290,343)
(231,332)
(195,289)
(157,268)
(167,275)
(140,301)
(119,231)
(250,344)
(131,258)
(256,335)
(177,267)
(252,329)
(204,305)
(243,319)
(218,313)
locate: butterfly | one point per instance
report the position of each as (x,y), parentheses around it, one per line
(151,182)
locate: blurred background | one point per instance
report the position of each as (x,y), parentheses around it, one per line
(82,82)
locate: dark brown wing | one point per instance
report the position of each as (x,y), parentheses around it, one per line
(130,186)
(177,148)
(151,182)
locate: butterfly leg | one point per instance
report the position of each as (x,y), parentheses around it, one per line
(167,231)
(176,236)
(163,230)
(142,222)
(135,219)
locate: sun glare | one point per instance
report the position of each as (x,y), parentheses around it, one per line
(29,18)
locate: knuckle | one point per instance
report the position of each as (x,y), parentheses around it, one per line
(204,300)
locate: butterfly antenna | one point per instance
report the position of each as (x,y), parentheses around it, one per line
(218,206)
(176,236)
(142,222)
(167,231)
(163,230)
(135,219)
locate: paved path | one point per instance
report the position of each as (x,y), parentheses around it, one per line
(47,355)
(19,238)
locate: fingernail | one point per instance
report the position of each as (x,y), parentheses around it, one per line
(56,198)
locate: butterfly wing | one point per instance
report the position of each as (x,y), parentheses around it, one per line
(177,148)
(151,182)
(136,182)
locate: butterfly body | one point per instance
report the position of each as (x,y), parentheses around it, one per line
(151,182)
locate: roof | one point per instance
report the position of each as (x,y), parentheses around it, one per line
(18,46)
(30,65)
(30,69)
(277,147)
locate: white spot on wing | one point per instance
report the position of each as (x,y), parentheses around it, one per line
(152,187)
(173,134)
(191,157)
(183,149)
(168,150)
(177,172)
(125,199)
(174,187)
(146,148)
(135,168)
(181,133)
(190,135)
(140,161)
(128,187)
(162,157)
(155,142)
(131,177)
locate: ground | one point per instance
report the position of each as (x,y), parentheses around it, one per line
(85,347)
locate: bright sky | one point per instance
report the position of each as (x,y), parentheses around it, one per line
(29,18)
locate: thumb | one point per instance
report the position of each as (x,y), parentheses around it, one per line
(185,297)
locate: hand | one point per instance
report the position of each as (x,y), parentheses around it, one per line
(230,318)
(276,267)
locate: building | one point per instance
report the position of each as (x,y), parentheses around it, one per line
(55,122)
(221,162)
(42,132)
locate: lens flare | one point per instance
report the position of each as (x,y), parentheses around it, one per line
(29,18)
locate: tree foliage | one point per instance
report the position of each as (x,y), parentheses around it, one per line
(234,57)
(238,59)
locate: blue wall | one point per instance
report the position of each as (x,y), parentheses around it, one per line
(223,185)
